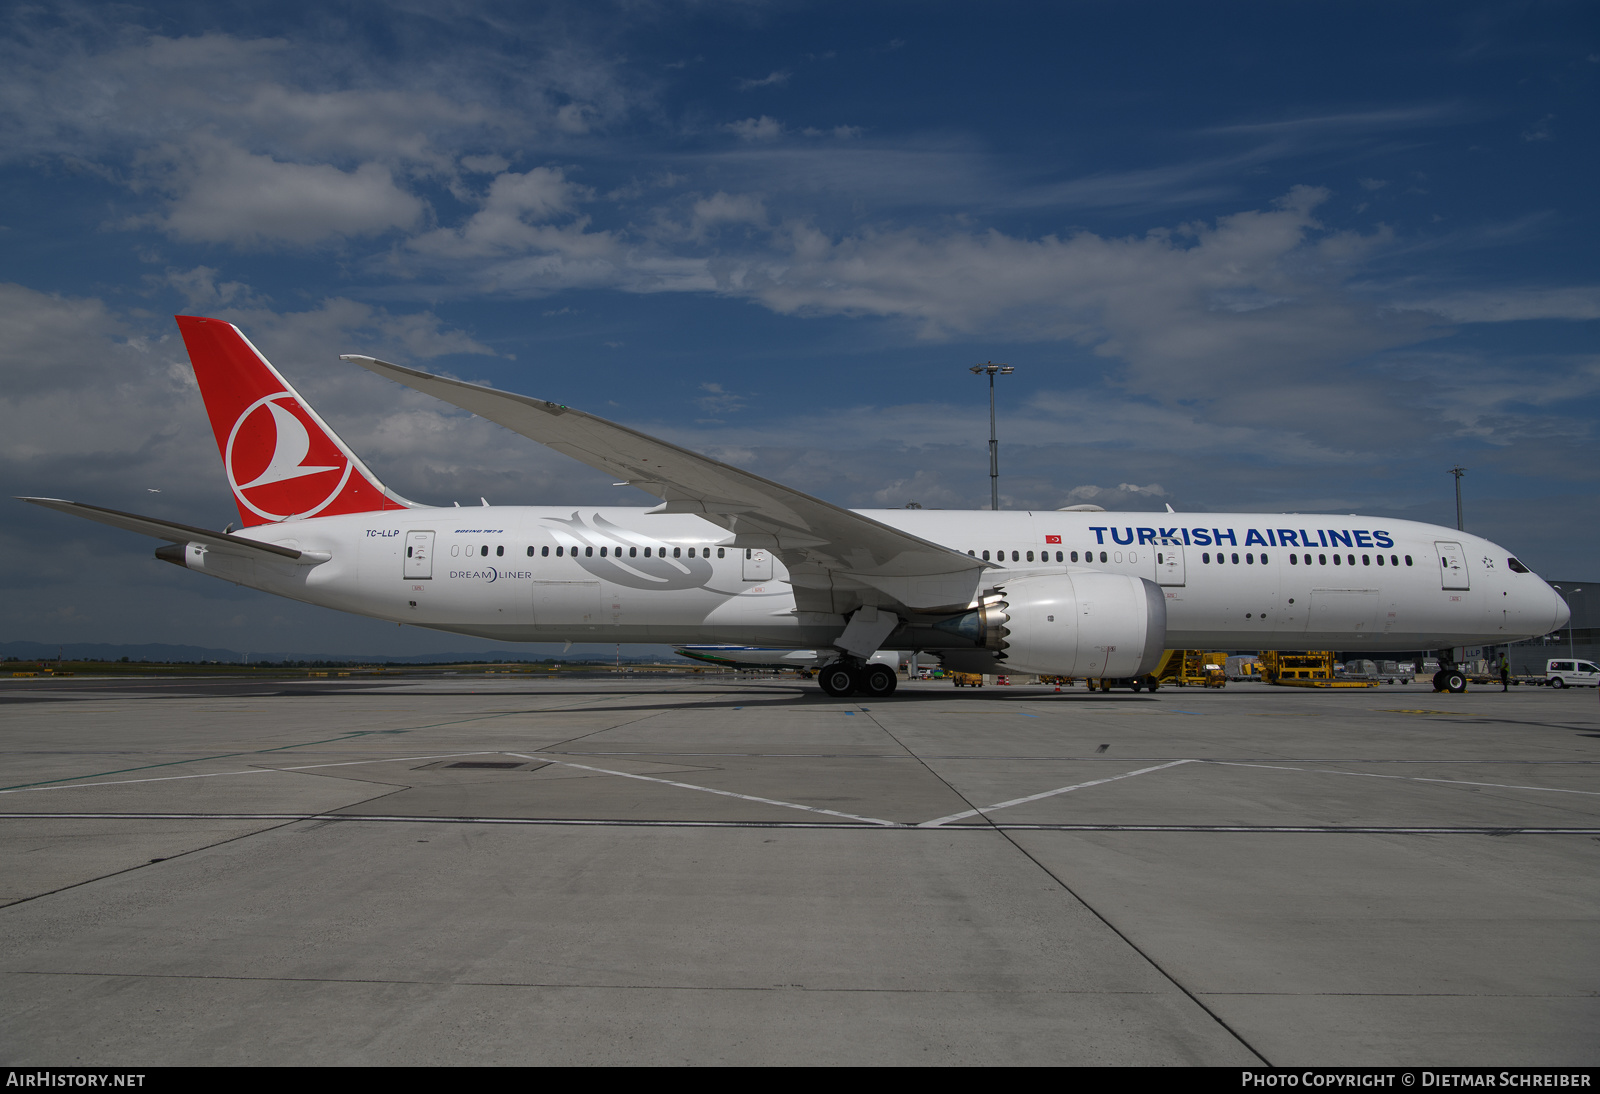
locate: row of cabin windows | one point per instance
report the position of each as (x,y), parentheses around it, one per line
(1044,556)
(1205,557)
(605,552)
(1349,560)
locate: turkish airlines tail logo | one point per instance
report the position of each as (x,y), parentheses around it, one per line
(281,459)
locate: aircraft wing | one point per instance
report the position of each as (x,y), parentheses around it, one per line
(825,547)
(162,529)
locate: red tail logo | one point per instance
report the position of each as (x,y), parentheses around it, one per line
(269,452)
(282,460)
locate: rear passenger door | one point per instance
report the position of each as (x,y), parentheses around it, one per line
(419,556)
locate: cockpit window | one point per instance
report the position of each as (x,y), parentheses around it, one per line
(1517,567)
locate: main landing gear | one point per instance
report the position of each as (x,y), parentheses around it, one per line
(842,679)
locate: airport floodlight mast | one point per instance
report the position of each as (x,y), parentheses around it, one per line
(994,442)
(1458,471)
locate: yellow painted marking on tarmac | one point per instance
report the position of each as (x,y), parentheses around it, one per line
(1468,713)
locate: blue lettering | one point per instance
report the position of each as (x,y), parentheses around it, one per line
(1099,534)
(1383,539)
(1217,534)
(1202,538)
(1118,539)
(1253,537)
(1338,539)
(1186,537)
(1322,539)
(1363,539)
(1271,538)
(1169,535)
(1288,538)
(1147,535)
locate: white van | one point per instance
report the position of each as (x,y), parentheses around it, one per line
(1572,674)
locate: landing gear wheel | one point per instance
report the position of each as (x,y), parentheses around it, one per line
(878,681)
(1455,682)
(1138,685)
(837,680)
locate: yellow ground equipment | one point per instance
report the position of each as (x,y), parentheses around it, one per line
(967,679)
(1312,669)
(1192,668)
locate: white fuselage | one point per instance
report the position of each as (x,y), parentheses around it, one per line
(545,573)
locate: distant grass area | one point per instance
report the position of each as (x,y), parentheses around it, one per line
(330,669)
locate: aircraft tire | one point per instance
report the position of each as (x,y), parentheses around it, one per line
(838,681)
(1455,682)
(877,681)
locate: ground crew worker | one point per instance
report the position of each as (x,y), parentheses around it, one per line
(1505,673)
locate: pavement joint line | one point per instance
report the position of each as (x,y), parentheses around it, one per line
(712,790)
(979,829)
(216,774)
(578,985)
(985,810)
(191,760)
(1404,778)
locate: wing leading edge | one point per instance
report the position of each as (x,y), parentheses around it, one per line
(837,560)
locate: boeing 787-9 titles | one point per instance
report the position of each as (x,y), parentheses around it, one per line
(731,558)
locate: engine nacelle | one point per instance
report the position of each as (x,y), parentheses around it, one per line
(1090,624)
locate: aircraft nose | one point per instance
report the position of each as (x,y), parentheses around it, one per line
(1558,610)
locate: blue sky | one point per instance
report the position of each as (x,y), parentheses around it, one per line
(1279,257)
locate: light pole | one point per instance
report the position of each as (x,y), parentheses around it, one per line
(1458,471)
(994,442)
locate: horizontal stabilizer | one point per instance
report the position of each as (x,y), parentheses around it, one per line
(163,529)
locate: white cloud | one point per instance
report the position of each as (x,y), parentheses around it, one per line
(223,194)
(763,128)
(774,78)
(512,219)
(720,209)
(1509,305)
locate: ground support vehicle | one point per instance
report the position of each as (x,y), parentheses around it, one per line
(1382,672)
(966,679)
(1137,683)
(1310,669)
(1567,672)
(1192,668)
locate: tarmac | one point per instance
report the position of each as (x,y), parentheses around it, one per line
(716,870)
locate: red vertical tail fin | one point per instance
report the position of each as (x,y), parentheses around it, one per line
(281,458)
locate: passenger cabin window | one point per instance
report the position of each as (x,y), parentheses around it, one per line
(677,552)
(500,550)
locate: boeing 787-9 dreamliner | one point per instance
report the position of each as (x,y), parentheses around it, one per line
(729,557)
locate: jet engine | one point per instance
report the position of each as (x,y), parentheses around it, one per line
(1089,624)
